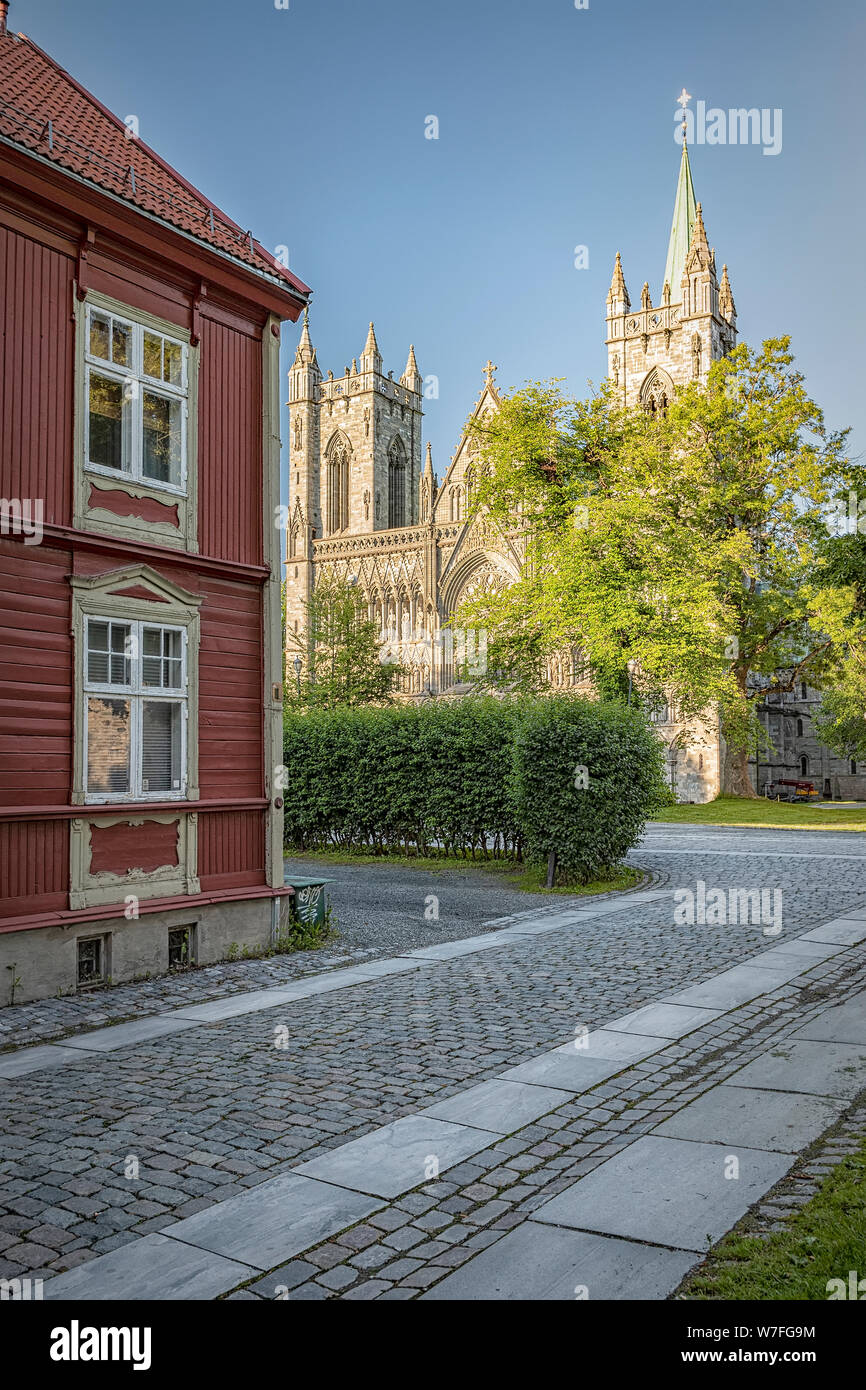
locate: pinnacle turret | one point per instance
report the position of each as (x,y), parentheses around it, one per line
(411,377)
(306,353)
(617,295)
(699,236)
(727,307)
(371,357)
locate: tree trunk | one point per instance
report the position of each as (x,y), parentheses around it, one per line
(551,869)
(737,779)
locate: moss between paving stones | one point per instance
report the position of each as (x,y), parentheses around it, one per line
(824,1240)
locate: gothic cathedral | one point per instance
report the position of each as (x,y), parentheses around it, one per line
(363,506)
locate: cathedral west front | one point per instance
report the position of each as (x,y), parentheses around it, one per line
(366,505)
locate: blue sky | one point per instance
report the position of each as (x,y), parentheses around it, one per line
(556,130)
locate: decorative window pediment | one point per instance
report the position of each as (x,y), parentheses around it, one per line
(136,642)
(138,583)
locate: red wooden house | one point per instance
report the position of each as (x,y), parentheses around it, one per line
(140,635)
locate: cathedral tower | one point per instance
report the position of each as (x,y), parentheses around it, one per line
(304,518)
(366,473)
(654,349)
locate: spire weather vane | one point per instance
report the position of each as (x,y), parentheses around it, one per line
(683,100)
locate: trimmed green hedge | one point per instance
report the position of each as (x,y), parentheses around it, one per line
(586,775)
(476,776)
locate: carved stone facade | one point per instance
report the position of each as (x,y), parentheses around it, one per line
(355,462)
(362,507)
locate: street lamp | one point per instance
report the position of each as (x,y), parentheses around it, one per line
(297,663)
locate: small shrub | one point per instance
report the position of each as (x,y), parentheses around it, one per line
(586,775)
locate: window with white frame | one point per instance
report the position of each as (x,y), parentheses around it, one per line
(135,688)
(137,388)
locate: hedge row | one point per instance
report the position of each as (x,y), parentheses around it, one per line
(480,777)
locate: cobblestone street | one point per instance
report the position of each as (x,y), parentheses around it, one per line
(111,1137)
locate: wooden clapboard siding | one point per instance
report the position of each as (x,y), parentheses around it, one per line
(231,849)
(34,867)
(36,381)
(230,444)
(35,675)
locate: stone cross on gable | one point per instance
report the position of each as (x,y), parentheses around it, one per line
(489,370)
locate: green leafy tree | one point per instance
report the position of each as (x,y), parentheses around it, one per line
(341,655)
(841,719)
(683,550)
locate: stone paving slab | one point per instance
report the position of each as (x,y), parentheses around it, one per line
(35,1058)
(664,1020)
(218,1010)
(789,963)
(275,1220)
(733,1115)
(731,988)
(818,1068)
(154,1267)
(377,968)
(538,1262)
(549,924)
(844,1024)
(397,1157)
(801,946)
(123,1034)
(841,932)
(577,1070)
(671,1192)
(331,981)
(500,1106)
(450,950)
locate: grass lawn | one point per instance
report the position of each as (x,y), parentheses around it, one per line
(825,1240)
(741,810)
(527,878)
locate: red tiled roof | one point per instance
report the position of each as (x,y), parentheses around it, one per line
(44,110)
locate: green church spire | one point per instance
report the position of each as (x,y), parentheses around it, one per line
(685,208)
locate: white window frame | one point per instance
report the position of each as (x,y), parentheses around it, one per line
(136,692)
(136,382)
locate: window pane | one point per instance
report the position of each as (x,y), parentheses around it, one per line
(121,651)
(100,336)
(97,652)
(108,651)
(153,355)
(121,343)
(162,658)
(160,746)
(107,745)
(161,445)
(172,664)
(173,360)
(106,421)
